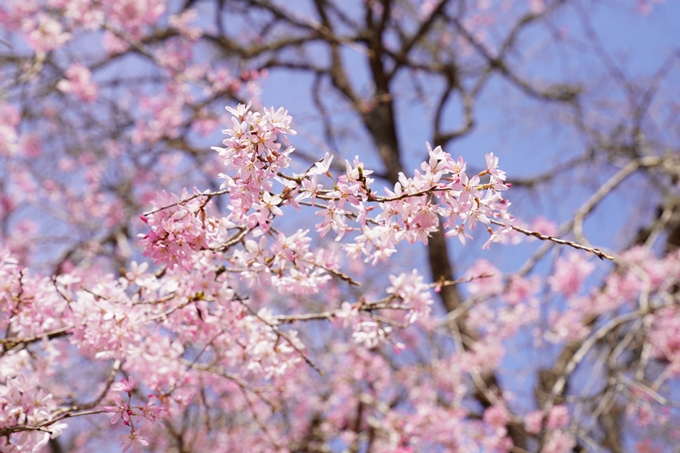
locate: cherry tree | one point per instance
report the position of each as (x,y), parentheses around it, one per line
(180,276)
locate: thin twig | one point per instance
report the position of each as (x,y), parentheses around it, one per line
(209,195)
(599,253)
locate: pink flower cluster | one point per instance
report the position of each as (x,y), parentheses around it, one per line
(570,273)
(257,152)
(79,83)
(132,415)
(665,337)
(255,157)
(413,293)
(288,264)
(23,401)
(178,228)
(9,120)
(409,212)
(641,275)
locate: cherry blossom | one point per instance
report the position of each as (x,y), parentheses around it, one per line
(236,321)
(79,83)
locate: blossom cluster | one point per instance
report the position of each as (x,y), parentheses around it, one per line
(178,228)
(410,212)
(255,157)
(182,231)
(130,414)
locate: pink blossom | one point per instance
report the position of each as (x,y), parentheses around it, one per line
(497,416)
(665,337)
(79,83)
(268,205)
(521,289)
(182,23)
(45,33)
(134,441)
(152,412)
(566,326)
(114,44)
(133,15)
(125,385)
(30,145)
(120,411)
(570,273)
(370,334)
(558,417)
(492,169)
(559,441)
(413,293)
(310,189)
(533,421)
(177,230)
(536,6)
(485,355)
(9,120)
(348,313)
(323,166)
